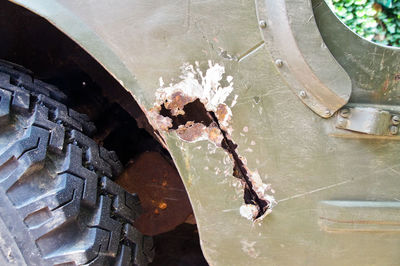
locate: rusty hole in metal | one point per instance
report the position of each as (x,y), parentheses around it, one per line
(196,112)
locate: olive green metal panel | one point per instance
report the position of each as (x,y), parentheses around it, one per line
(374,69)
(293,39)
(315,176)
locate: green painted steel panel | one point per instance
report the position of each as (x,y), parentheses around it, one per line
(289,146)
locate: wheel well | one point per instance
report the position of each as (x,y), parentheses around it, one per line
(31,41)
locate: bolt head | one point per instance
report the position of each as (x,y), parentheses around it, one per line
(303,94)
(341,122)
(395,120)
(327,112)
(262,24)
(344,112)
(278,62)
(394,130)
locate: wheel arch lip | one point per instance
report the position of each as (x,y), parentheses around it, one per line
(76,29)
(82,34)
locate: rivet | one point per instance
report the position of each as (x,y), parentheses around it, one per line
(303,94)
(262,24)
(341,122)
(278,62)
(394,130)
(327,112)
(396,120)
(344,112)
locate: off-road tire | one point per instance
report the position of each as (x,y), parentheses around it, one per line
(58,204)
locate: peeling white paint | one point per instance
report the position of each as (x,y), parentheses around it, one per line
(195,84)
(161,82)
(234,101)
(248,211)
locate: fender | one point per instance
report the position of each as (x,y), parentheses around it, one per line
(217,83)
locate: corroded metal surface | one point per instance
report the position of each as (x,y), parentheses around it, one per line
(161,192)
(277,136)
(195,109)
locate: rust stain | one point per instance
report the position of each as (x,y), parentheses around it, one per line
(191,131)
(214,135)
(162,205)
(163,123)
(177,102)
(224,115)
(222,112)
(195,110)
(161,191)
(382,93)
(385,85)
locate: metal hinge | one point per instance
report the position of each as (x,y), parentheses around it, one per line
(369,120)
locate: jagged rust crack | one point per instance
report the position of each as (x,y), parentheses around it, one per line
(240,171)
(194,113)
(194,108)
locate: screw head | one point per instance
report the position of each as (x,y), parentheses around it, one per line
(344,112)
(395,120)
(394,130)
(278,62)
(303,94)
(262,24)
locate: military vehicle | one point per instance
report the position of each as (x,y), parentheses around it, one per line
(282,123)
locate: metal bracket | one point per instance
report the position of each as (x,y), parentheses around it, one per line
(368,120)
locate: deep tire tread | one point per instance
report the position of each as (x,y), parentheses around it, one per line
(80,195)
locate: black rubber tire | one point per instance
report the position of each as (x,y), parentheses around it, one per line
(58,204)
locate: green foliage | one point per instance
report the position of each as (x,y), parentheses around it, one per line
(377,22)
